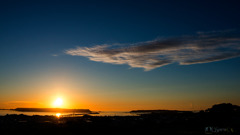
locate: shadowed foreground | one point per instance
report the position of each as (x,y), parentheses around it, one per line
(212,121)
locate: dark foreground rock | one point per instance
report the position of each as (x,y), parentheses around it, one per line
(149,124)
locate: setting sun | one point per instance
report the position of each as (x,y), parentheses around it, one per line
(58,102)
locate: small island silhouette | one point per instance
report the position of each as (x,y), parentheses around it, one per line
(51,110)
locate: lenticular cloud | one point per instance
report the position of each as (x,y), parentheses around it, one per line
(185,50)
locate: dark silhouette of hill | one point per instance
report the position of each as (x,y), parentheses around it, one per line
(224,108)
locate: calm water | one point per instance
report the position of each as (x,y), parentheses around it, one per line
(103,113)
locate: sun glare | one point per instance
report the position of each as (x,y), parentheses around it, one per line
(58,102)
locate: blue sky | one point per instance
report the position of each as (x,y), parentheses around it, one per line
(35,36)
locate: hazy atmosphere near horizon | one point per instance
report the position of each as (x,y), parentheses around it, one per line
(119,55)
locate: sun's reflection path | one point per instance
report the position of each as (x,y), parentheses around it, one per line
(58,115)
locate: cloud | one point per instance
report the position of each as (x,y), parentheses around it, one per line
(185,50)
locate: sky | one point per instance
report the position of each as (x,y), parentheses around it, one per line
(119,55)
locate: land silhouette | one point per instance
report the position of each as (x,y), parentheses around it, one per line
(51,110)
(220,119)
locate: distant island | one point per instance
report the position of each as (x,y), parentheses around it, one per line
(52,110)
(217,108)
(159,111)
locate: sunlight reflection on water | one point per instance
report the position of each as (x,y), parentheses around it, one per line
(58,114)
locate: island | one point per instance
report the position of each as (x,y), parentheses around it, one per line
(52,110)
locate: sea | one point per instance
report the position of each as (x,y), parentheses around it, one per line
(65,114)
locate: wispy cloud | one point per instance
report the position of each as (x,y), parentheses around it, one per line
(185,50)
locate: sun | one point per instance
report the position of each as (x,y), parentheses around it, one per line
(58,102)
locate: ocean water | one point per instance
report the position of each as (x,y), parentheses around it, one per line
(102,113)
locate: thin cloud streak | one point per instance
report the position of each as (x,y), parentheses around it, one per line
(185,50)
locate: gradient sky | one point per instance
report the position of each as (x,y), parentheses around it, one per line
(119,55)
